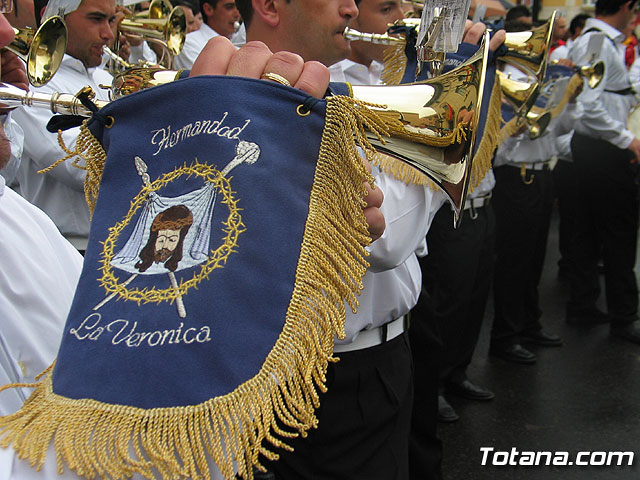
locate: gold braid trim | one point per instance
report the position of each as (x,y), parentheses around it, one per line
(402,171)
(89,149)
(394,64)
(115,441)
(481,161)
(574,85)
(490,138)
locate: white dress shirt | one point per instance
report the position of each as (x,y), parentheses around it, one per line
(356,73)
(193,45)
(60,192)
(393,282)
(604,113)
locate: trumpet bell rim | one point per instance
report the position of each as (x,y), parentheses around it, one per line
(46,51)
(176,28)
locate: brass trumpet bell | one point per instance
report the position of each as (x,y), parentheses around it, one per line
(521,96)
(171,29)
(593,74)
(157,9)
(537,121)
(529,50)
(433,132)
(42,50)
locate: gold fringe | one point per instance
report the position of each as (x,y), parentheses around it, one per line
(96,439)
(394,64)
(481,161)
(490,140)
(89,149)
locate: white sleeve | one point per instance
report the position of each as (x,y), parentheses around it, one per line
(43,149)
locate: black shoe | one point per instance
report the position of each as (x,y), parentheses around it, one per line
(542,338)
(587,317)
(446,413)
(469,390)
(515,353)
(628,331)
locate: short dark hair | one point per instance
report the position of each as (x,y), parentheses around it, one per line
(578,21)
(245,7)
(38,5)
(213,3)
(516,12)
(610,7)
(516,26)
(190,4)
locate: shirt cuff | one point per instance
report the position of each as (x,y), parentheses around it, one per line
(623,140)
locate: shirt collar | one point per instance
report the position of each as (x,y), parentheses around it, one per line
(207,29)
(76,64)
(611,32)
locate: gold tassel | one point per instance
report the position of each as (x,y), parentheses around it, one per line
(89,149)
(394,64)
(97,439)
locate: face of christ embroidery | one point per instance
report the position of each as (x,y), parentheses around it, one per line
(172,235)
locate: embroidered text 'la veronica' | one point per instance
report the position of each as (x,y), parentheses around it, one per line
(166,138)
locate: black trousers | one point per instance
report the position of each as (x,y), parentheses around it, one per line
(607,225)
(425,447)
(363,420)
(458,273)
(523,213)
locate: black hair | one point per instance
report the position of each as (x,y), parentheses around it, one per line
(578,22)
(516,12)
(245,8)
(610,7)
(190,4)
(38,5)
(516,26)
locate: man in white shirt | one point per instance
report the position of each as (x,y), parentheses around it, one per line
(364,64)
(575,29)
(39,270)
(60,192)
(606,155)
(220,17)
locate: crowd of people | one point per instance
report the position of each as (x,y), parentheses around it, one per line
(423,299)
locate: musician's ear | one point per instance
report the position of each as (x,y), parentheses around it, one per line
(268,11)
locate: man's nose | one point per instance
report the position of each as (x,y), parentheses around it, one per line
(106,34)
(348,9)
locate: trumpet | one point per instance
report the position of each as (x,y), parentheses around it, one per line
(156,26)
(529,50)
(375,38)
(11,97)
(593,74)
(522,96)
(42,50)
(429,111)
